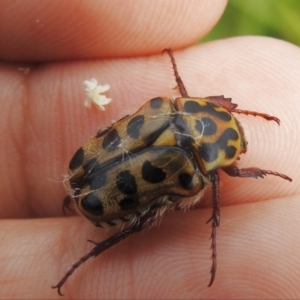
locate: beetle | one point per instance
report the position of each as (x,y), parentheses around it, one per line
(160,158)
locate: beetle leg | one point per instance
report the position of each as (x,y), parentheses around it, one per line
(215,218)
(256,114)
(142,223)
(252,172)
(232,107)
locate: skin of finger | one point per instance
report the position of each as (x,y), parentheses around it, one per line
(257,246)
(46,122)
(49,31)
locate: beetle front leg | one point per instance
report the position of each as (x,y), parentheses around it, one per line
(142,223)
(252,172)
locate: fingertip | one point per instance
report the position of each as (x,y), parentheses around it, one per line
(41,32)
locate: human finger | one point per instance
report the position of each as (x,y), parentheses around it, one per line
(47,131)
(256,246)
(48,31)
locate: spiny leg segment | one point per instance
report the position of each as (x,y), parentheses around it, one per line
(252,172)
(232,107)
(257,114)
(215,219)
(141,224)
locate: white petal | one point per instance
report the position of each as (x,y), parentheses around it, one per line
(91,84)
(102,88)
(103,100)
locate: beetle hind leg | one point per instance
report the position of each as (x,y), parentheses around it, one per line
(215,219)
(141,224)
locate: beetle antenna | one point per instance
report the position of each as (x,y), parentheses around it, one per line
(179,81)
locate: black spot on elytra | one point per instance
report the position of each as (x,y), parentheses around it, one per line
(111,141)
(230,151)
(90,168)
(186,181)
(228,134)
(156,103)
(97,181)
(206,126)
(186,138)
(209,151)
(181,125)
(193,107)
(95,176)
(126,182)
(152,174)
(223,115)
(151,138)
(92,205)
(77,159)
(128,203)
(134,126)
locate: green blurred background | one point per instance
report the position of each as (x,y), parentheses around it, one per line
(275,18)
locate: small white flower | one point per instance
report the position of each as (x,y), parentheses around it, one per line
(93,91)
